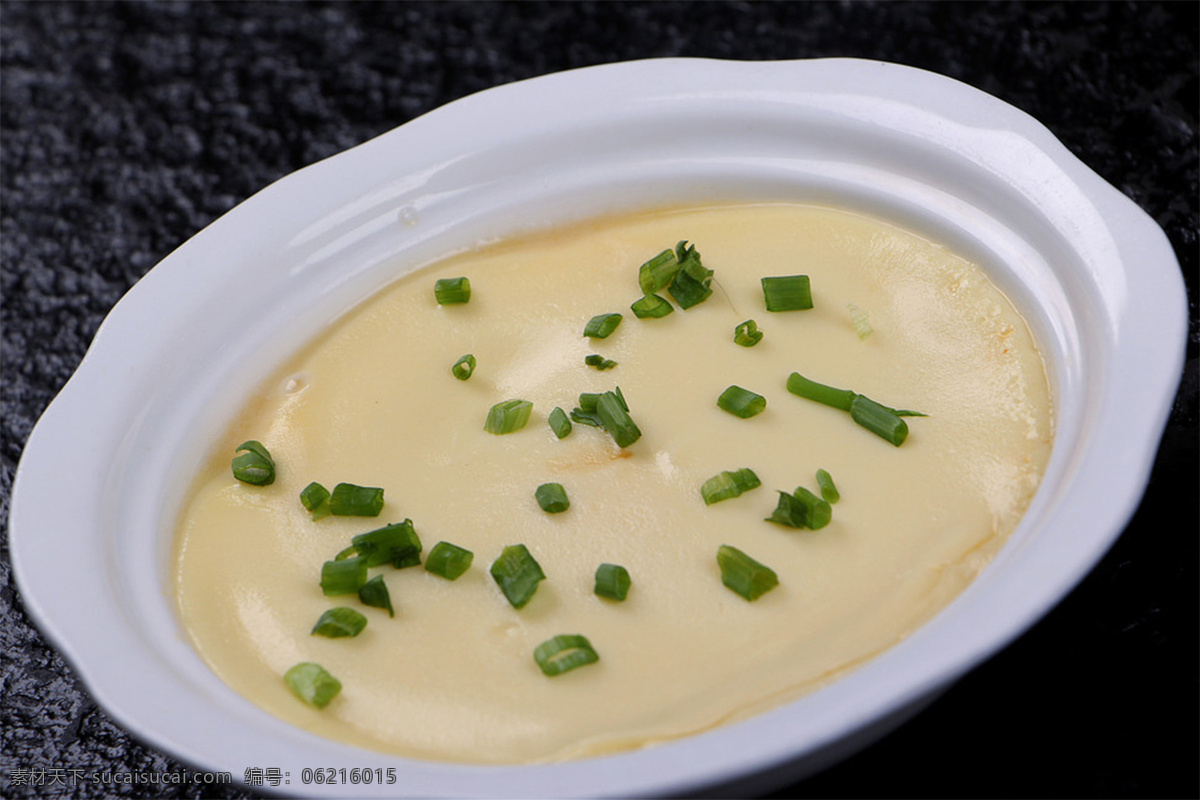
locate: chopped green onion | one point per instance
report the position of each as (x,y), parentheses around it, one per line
(829,492)
(801,386)
(588,401)
(651,306)
(747,334)
(463,368)
(397,543)
(315,499)
(743,574)
(787,293)
(879,420)
(375,593)
(345,576)
(564,653)
(347,553)
(517,574)
(586,418)
(349,500)
(559,422)
(255,465)
(601,325)
(552,497)
(599,362)
(508,416)
(741,402)
(862,326)
(612,582)
(452,290)
(728,484)
(338,622)
(614,415)
(693,282)
(448,560)
(801,509)
(312,684)
(658,273)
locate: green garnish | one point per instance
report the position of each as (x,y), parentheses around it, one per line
(613,414)
(693,282)
(743,574)
(747,334)
(255,465)
(728,484)
(463,368)
(563,653)
(559,422)
(517,574)
(879,419)
(343,576)
(651,306)
(829,492)
(508,416)
(449,291)
(741,402)
(787,293)
(862,326)
(658,273)
(349,500)
(349,552)
(375,593)
(448,560)
(599,362)
(601,325)
(612,582)
(315,498)
(801,509)
(397,543)
(552,497)
(312,684)
(338,622)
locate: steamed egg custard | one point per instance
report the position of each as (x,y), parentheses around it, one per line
(381,401)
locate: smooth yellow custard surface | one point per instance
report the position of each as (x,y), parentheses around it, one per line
(452,675)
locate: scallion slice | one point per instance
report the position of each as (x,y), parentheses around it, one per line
(599,362)
(743,574)
(612,582)
(449,291)
(614,415)
(787,293)
(651,306)
(339,622)
(801,386)
(315,499)
(560,423)
(728,484)
(829,492)
(464,367)
(552,497)
(375,593)
(693,282)
(862,325)
(312,684)
(747,334)
(508,416)
(741,402)
(254,465)
(563,653)
(586,418)
(448,560)
(801,509)
(397,543)
(658,273)
(601,325)
(350,500)
(343,576)
(879,420)
(517,574)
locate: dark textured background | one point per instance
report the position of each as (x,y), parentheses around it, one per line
(127,127)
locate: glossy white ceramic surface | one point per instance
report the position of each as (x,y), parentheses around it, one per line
(103,473)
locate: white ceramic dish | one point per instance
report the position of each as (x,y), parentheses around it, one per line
(103,473)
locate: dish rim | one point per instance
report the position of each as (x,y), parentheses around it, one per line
(866,96)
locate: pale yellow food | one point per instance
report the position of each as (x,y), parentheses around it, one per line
(452,676)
